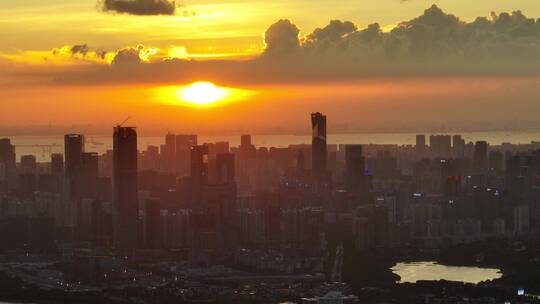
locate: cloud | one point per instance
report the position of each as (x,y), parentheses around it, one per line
(80,49)
(433,44)
(281,38)
(133,56)
(335,30)
(139,7)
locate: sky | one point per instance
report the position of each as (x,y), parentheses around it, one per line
(388,65)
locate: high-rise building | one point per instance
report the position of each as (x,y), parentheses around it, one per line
(89,174)
(184,143)
(420,144)
(441,145)
(458,146)
(28,164)
(73,149)
(8,159)
(225,168)
(168,154)
(245,140)
(57,164)
(354,168)
(199,166)
(318,144)
(125,188)
(480,157)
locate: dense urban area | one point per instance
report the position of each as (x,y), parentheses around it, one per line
(322,223)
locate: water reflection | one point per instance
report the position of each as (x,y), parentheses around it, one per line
(431,271)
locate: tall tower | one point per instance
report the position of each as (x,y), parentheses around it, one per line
(8,161)
(480,161)
(73,149)
(354,168)
(420,144)
(125,211)
(318,144)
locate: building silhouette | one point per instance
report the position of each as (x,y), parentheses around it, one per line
(354,168)
(125,209)
(73,149)
(318,145)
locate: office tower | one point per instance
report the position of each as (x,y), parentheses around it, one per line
(225,168)
(183,147)
(57,164)
(168,154)
(354,168)
(28,164)
(318,144)
(199,166)
(420,144)
(221,147)
(73,149)
(89,175)
(480,162)
(125,209)
(8,159)
(458,146)
(441,145)
(245,140)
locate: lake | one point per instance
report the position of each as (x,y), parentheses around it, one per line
(432,271)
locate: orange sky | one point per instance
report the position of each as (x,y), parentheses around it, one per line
(69,63)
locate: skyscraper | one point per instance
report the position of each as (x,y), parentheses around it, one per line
(184,142)
(28,164)
(125,211)
(7,159)
(354,168)
(89,174)
(168,154)
(458,146)
(318,144)
(199,166)
(420,144)
(57,164)
(73,149)
(480,160)
(245,140)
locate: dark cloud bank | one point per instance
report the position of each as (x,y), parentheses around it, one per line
(435,43)
(139,7)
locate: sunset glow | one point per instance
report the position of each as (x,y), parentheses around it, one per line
(202,93)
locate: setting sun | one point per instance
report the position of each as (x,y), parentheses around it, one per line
(202,93)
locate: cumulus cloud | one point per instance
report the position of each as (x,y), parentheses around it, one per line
(133,56)
(282,38)
(139,7)
(436,36)
(435,43)
(80,49)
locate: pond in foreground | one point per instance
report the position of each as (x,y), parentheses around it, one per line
(431,271)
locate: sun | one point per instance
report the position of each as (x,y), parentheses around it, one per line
(202,93)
